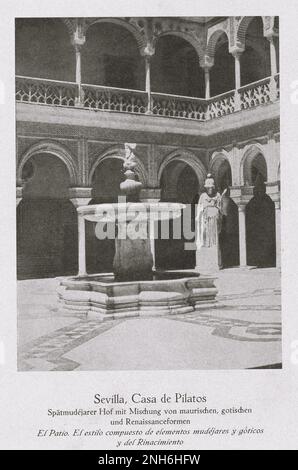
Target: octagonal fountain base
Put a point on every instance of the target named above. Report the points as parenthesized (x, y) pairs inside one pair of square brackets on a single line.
[(169, 292)]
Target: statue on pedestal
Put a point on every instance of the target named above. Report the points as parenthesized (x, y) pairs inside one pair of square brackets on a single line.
[(208, 226)]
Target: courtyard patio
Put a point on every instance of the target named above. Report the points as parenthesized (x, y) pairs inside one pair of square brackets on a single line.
[(242, 331)]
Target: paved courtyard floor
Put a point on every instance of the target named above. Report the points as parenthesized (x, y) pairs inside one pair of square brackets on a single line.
[(242, 331)]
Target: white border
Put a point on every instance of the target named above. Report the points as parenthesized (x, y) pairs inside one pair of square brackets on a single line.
[(26, 396)]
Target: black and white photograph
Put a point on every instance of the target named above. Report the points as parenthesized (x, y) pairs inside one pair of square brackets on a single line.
[(148, 193), (148, 236)]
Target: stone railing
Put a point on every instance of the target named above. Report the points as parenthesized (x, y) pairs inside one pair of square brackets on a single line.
[(221, 105), (42, 91), (178, 106), (114, 99), (70, 94), (260, 92)]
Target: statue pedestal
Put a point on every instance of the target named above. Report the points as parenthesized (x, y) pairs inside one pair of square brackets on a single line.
[(207, 260)]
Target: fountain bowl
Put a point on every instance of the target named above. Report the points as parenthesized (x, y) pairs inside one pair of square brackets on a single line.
[(169, 292)]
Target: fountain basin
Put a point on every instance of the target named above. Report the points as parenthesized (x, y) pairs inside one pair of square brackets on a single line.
[(126, 211), (169, 292)]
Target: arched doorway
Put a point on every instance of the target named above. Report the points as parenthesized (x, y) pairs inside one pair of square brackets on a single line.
[(229, 235), (46, 220), (255, 60), (179, 183), (106, 181), (260, 229), (260, 214), (254, 167), (175, 68), (44, 49), (110, 57), (222, 74)]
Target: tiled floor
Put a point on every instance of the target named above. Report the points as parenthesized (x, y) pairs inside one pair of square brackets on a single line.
[(242, 331)]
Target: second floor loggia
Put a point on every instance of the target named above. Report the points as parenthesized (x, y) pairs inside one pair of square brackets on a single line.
[(102, 69)]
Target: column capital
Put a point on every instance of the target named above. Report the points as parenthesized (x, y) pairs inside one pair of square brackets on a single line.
[(207, 62), (236, 194), (150, 194), (80, 196), (241, 206), (78, 39), (270, 34), (148, 50), (236, 51), (273, 190)]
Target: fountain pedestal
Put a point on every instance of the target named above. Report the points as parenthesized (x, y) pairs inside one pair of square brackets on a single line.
[(133, 260)]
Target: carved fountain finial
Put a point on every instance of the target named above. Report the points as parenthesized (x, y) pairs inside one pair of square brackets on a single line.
[(130, 187)]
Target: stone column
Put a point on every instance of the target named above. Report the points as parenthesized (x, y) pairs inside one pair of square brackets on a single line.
[(273, 65), (152, 242), (237, 54), (81, 246), (273, 191), (147, 52), (206, 63), (207, 82), (78, 64), (78, 40), (242, 235), (148, 82), (277, 234), (81, 197), (151, 195), (273, 62)]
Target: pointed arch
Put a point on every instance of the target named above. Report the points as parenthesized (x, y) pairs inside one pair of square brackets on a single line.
[(54, 148), (220, 159), (217, 158), (243, 27), (188, 158), (138, 35), (212, 41), (250, 151), (183, 35)]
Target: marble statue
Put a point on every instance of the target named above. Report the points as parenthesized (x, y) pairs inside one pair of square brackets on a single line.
[(208, 226)]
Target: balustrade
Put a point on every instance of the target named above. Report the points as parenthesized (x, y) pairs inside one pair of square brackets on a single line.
[(255, 94), (114, 99), (70, 94), (43, 91), (221, 105), (178, 106)]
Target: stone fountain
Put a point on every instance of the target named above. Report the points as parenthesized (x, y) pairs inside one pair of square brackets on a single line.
[(134, 288)]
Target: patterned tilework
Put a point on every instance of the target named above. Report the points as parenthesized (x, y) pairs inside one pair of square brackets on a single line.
[(45, 353), (48, 351), (236, 329)]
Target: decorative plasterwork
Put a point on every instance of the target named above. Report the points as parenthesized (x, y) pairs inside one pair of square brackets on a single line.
[(215, 35), (204, 39)]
